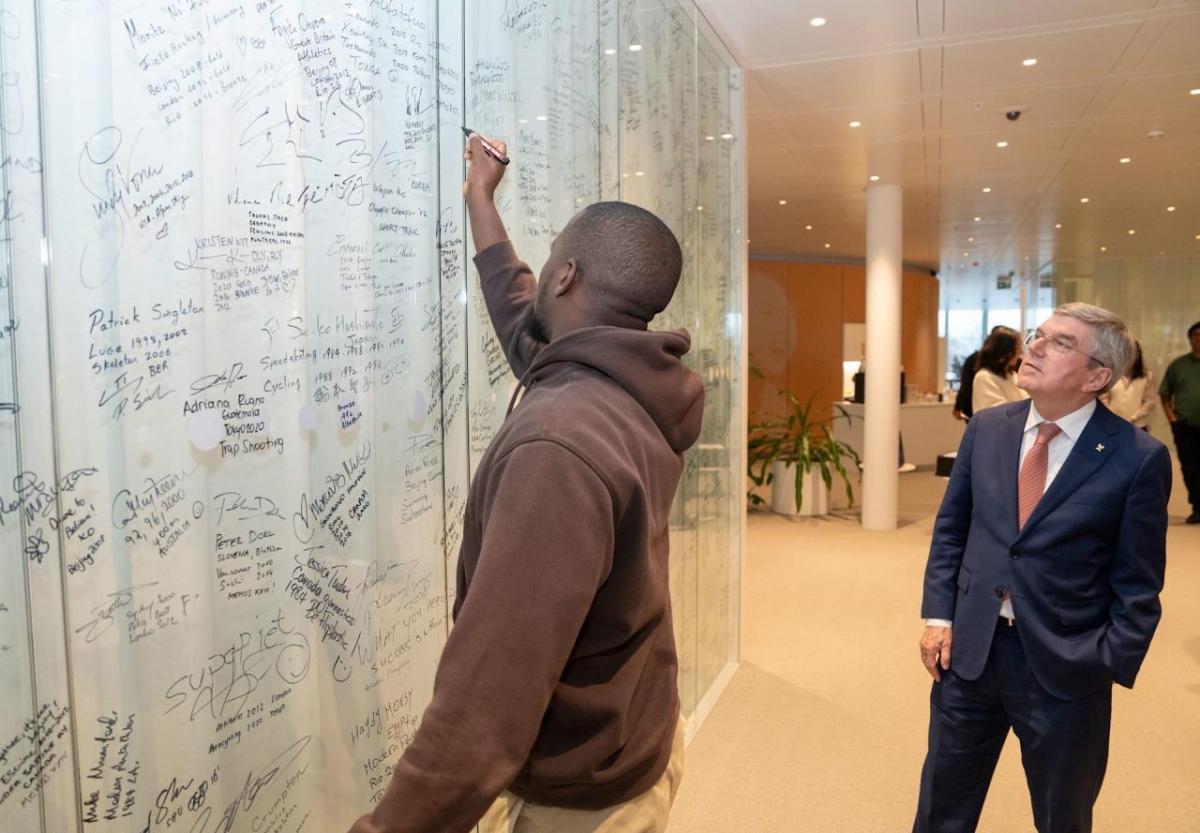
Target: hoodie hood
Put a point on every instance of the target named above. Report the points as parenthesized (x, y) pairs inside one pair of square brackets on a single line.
[(646, 363)]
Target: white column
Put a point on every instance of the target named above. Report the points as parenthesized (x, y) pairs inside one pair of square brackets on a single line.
[(881, 433)]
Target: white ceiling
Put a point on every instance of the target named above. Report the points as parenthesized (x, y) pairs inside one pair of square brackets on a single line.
[(931, 80)]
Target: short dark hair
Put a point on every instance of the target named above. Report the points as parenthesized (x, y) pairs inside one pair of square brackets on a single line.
[(1193, 328), (997, 352), (628, 257)]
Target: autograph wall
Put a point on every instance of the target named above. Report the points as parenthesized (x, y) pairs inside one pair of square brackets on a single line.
[(245, 372)]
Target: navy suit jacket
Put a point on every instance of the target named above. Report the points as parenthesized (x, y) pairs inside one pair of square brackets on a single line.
[(1084, 573)]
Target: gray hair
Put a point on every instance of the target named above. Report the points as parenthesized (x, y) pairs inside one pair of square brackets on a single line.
[(1112, 346)]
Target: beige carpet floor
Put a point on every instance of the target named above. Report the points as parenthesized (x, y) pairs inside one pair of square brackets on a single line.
[(823, 726)]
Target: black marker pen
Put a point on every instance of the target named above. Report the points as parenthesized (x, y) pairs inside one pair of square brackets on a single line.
[(491, 151)]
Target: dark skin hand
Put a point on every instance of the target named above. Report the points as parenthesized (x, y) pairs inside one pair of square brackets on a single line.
[(479, 189)]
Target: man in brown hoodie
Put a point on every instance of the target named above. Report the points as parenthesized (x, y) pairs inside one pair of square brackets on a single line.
[(555, 702)]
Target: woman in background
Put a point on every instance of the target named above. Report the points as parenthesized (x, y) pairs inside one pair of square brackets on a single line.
[(996, 380), (1132, 397)]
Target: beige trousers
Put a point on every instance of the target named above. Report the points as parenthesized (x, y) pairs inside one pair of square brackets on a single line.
[(645, 814)]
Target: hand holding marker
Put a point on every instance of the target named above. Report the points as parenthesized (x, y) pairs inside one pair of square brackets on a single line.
[(487, 147)]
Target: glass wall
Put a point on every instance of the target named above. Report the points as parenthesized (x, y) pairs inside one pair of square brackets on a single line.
[(973, 303), (1157, 297), (245, 373)]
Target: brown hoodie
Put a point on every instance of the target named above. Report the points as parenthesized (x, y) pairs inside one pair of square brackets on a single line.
[(559, 678)]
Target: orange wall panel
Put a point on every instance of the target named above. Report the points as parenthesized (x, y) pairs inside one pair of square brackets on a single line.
[(797, 311), (815, 298)]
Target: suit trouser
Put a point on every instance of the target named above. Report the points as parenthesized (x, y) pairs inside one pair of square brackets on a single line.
[(647, 813), (1064, 745), (1187, 447)]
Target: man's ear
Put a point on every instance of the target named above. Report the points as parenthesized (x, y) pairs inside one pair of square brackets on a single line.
[(1099, 379), (567, 277)]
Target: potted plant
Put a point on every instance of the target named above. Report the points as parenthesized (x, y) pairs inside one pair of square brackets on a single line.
[(787, 454)]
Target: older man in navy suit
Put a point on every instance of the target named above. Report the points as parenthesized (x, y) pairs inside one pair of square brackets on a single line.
[(1043, 581)]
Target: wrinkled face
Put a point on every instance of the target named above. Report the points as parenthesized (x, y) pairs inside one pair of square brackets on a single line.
[(1057, 364)]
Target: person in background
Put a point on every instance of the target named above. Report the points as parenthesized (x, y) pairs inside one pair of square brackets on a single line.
[(1132, 397), (1180, 392), (996, 378), (966, 386), (556, 701)]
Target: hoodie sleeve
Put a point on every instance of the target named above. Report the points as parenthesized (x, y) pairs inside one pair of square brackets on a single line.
[(547, 546), (509, 288)]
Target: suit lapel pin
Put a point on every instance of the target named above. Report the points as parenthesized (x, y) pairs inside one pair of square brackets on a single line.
[(1100, 447)]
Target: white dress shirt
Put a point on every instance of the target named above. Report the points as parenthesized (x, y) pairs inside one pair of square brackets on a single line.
[(1071, 426)]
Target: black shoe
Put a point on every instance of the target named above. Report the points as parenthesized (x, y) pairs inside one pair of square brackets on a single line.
[(1193, 518)]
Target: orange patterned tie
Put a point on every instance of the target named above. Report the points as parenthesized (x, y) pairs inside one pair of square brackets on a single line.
[(1032, 482)]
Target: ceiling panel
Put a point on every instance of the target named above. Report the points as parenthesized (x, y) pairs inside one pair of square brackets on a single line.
[(779, 30), (756, 97), (1157, 97), (1039, 107), (880, 121), (1107, 72), (763, 132), (1178, 47), (1061, 57), (1027, 152), (971, 16), (847, 82)]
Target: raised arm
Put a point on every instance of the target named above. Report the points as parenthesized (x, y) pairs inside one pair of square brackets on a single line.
[(509, 286)]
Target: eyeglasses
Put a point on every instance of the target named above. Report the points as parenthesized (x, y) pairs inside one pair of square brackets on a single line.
[(1060, 344)]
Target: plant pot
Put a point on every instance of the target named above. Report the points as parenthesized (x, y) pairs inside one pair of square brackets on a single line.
[(814, 501)]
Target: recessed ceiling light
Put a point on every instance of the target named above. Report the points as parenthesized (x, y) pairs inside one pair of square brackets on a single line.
[(808, 228), (1104, 248), (1002, 144), (639, 173), (1058, 225), (699, 208), (1198, 236), (1170, 208), (987, 190), (1084, 199), (1133, 231), (523, 121), (709, 138), (856, 123), (783, 202), (977, 219), (966, 254), (726, 135), (874, 178), (1194, 92), (610, 51), (635, 47), (541, 118), (817, 21), (1125, 160), (1030, 62), (970, 239), (828, 245)]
